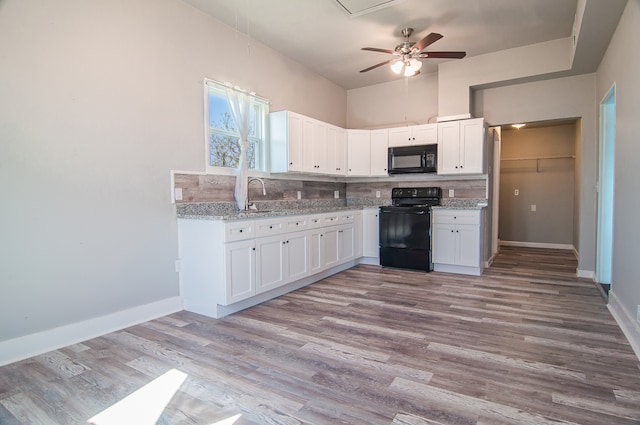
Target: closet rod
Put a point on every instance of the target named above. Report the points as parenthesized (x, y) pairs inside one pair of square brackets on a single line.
[(535, 158)]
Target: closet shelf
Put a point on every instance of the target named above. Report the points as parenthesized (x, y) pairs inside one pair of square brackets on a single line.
[(538, 159)]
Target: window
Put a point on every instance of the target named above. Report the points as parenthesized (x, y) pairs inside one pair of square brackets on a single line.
[(223, 149)]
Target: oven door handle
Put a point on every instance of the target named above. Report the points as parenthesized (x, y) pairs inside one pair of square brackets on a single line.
[(404, 212)]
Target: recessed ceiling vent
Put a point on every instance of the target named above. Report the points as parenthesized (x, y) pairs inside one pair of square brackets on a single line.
[(362, 7)]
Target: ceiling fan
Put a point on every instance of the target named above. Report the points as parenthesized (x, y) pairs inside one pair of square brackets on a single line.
[(408, 52)]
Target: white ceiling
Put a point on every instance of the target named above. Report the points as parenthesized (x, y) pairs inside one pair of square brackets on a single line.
[(324, 37)]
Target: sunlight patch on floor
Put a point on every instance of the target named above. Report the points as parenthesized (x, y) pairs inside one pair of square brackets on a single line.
[(144, 406)]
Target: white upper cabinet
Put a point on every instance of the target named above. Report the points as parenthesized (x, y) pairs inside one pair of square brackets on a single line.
[(286, 141), (314, 134), (461, 147), (423, 134), (336, 150), (359, 152), (379, 152)]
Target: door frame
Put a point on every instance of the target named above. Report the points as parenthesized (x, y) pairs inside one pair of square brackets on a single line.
[(605, 185)]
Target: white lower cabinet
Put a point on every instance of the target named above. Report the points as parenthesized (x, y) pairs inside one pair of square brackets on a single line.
[(240, 267), (371, 233), (280, 260), (457, 241), (227, 262)]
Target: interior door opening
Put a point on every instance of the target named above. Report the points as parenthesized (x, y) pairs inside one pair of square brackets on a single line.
[(606, 165)]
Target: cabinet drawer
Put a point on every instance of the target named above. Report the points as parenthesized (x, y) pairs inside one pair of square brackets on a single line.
[(296, 223), (314, 221), (330, 219), (346, 217), (270, 227), (239, 230), (456, 217)]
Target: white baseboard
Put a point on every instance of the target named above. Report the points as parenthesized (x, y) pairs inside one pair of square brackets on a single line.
[(630, 327), (588, 274), (538, 245), (31, 345)]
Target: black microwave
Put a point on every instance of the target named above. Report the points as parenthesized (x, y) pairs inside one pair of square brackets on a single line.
[(413, 159)]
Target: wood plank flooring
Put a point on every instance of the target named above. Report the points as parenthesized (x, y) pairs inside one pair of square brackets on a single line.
[(526, 343)]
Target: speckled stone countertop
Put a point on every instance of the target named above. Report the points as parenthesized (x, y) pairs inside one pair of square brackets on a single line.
[(227, 211), (463, 204)]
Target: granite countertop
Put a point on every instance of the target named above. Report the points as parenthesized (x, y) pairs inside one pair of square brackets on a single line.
[(226, 211), (463, 204)]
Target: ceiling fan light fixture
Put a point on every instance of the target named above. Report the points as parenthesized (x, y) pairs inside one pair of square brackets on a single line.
[(416, 64), (397, 66), (408, 70)]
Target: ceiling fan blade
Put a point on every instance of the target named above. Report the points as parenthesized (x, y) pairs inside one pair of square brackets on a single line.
[(375, 49), (377, 65), (428, 40), (442, 55)]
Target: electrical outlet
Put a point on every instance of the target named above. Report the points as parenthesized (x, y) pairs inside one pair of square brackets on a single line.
[(177, 194), (377, 193), (336, 194), (533, 207), (452, 193), (638, 314), (516, 192), (299, 195), (178, 266)]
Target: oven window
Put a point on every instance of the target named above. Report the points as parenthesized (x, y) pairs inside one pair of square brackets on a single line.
[(406, 161)]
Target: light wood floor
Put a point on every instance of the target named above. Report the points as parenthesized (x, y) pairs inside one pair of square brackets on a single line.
[(526, 343)]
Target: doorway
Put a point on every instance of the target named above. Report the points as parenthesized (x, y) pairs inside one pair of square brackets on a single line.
[(606, 164)]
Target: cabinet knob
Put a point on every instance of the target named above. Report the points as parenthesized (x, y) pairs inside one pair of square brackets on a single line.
[(253, 249), (270, 227), (240, 230), (291, 163)]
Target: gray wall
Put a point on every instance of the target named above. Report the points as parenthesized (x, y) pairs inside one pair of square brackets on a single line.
[(99, 101), (621, 65), (545, 183)]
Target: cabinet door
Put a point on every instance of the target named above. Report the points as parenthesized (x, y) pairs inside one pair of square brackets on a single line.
[(371, 233), (472, 146), (444, 244), (468, 251), (357, 234), (340, 155), (308, 134), (240, 264), (448, 147), (295, 142), (424, 134), (379, 152), (315, 250), (346, 243), (399, 136), (297, 256), (270, 263), (285, 141), (358, 158), (319, 147), (330, 247)]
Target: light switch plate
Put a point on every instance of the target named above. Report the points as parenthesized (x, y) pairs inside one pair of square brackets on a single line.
[(377, 193), (299, 195), (534, 207), (177, 194), (336, 194)]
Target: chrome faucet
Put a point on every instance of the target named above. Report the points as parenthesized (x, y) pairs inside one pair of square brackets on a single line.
[(264, 191)]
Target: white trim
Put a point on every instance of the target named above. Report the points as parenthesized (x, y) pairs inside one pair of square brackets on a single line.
[(537, 245), (31, 345), (630, 328), (454, 117), (587, 274)]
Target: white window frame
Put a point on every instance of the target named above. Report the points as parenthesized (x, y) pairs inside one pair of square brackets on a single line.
[(261, 121)]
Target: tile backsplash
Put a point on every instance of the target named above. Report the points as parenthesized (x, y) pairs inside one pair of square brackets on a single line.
[(212, 188)]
